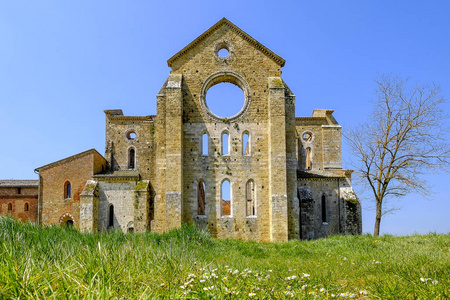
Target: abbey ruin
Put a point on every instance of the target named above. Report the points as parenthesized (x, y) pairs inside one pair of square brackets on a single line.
[(283, 173)]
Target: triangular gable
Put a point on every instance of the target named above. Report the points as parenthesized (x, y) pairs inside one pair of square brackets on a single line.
[(224, 22), (68, 159)]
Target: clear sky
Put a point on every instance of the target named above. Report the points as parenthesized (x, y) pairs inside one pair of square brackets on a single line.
[(63, 62)]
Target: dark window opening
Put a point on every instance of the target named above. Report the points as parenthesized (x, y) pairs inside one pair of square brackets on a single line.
[(324, 209), (26, 207), (131, 159), (19, 191), (201, 198), (111, 216), (67, 190), (9, 207)]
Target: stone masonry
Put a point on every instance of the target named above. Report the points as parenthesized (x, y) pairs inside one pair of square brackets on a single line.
[(284, 173)]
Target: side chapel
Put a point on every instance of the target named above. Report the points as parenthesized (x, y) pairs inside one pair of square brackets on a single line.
[(262, 174)]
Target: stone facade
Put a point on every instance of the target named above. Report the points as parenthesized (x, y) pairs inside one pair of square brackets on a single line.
[(19, 199), (284, 173)]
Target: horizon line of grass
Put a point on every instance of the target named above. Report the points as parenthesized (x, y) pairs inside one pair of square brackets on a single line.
[(55, 262)]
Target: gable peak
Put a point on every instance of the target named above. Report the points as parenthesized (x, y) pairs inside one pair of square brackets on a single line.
[(225, 22)]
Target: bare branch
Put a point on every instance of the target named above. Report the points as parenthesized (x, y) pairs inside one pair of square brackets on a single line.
[(404, 139)]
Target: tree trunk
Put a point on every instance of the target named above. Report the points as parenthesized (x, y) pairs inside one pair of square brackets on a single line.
[(376, 231)]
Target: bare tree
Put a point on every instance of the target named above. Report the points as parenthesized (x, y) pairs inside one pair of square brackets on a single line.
[(404, 138)]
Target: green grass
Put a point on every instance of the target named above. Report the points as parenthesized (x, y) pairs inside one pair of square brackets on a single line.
[(57, 263)]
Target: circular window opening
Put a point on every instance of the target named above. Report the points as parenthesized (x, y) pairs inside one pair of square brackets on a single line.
[(131, 135), (307, 137), (225, 99), (223, 52)]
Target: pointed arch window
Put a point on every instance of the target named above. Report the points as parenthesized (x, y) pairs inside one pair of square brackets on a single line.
[(201, 201), (245, 143), (111, 216), (205, 144), (226, 197), (10, 207), (67, 190), (324, 209), (131, 158), (26, 207), (250, 198), (225, 144)]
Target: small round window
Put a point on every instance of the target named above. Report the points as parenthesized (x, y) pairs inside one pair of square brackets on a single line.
[(223, 52), (131, 135), (307, 136)]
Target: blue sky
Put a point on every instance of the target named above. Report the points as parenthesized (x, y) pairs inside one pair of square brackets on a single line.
[(63, 62)]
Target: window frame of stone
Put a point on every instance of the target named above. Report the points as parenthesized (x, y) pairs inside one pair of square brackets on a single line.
[(110, 216), (202, 144), (222, 200), (323, 207), (67, 189), (128, 134), (201, 183), (252, 214), (227, 133), (308, 158), (246, 149), (129, 156)]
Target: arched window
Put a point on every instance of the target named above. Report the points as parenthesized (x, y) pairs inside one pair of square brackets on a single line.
[(205, 144), (111, 216), (67, 190), (225, 144), (324, 209), (26, 207), (250, 198), (226, 198), (9, 207), (201, 202), (131, 158), (308, 158), (245, 144)]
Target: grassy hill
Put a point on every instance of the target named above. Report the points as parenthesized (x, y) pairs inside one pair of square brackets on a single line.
[(53, 262)]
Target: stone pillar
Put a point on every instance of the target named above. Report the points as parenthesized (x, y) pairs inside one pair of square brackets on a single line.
[(159, 222), (141, 208), (278, 214), (174, 152), (89, 207)]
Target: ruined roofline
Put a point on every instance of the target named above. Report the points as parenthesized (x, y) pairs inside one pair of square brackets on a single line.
[(68, 159), (117, 115), (225, 22), (133, 118), (19, 183)]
